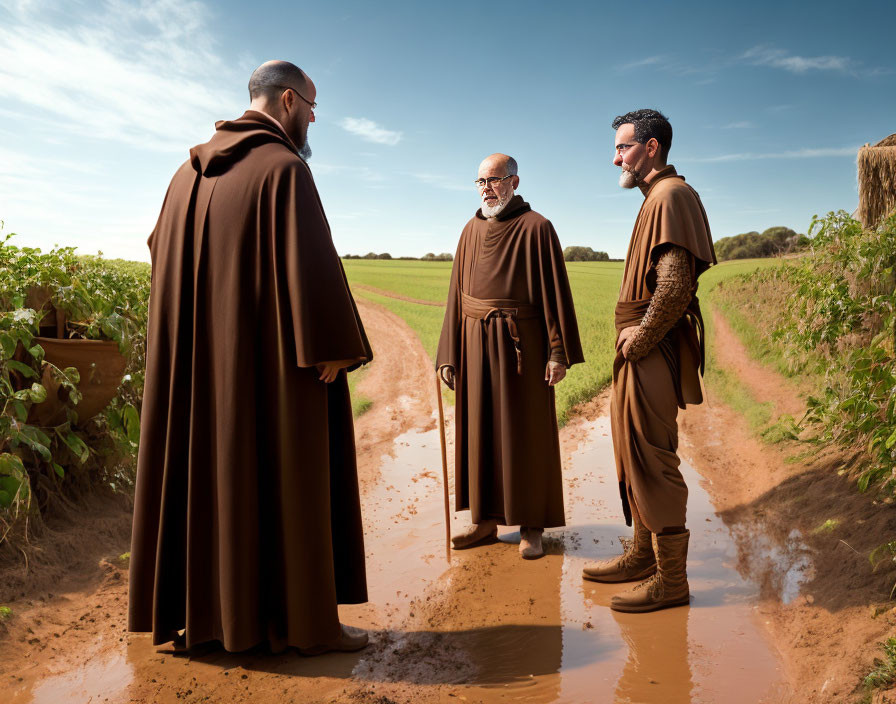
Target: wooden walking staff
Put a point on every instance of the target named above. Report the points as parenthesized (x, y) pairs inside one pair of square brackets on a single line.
[(444, 469)]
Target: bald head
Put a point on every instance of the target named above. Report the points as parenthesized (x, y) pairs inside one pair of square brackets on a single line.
[(284, 91), (499, 162), (272, 77), (497, 182)]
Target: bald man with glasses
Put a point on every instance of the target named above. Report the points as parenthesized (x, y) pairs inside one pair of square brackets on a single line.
[(247, 518), (508, 337)]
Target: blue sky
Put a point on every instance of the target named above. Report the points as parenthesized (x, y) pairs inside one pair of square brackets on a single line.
[(101, 99)]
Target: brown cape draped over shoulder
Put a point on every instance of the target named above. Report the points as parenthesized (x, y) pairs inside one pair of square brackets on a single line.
[(509, 311), (247, 522), (648, 393)]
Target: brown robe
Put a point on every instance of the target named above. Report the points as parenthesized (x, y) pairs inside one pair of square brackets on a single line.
[(247, 523), (508, 281), (648, 393)]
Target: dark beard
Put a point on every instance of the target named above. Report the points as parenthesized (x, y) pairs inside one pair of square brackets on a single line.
[(305, 151)]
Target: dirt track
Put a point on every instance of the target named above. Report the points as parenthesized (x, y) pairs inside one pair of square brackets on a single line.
[(779, 614)]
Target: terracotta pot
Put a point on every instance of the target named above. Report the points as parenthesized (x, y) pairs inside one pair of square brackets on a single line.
[(101, 367)]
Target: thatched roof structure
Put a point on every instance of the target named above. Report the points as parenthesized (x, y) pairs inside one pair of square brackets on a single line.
[(877, 181)]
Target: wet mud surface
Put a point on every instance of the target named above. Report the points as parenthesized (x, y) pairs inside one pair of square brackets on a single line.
[(486, 627), (480, 626)]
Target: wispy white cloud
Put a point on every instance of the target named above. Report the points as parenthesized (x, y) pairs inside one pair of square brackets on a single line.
[(702, 71), (647, 61), (792, 154), (440, 181), (370, 131), (742, 125), (779, 58), (143, 73)]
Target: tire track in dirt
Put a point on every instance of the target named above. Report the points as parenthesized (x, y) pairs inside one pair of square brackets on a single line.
[(392, 294), (763, 383), (400, 384)]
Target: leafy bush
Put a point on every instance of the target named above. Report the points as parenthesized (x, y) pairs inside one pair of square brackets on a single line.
[(41, 467), (835, 321), (584, 254), (843, 311), (774, 242)]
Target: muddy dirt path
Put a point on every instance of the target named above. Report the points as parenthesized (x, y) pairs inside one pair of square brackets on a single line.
[(487, 626)]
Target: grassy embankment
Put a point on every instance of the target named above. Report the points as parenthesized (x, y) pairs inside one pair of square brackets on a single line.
[(595, 287), (828, 319)]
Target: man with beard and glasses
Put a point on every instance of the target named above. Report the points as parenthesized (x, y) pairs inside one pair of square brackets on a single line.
[(659, 362), (508, 337), (247, 521)]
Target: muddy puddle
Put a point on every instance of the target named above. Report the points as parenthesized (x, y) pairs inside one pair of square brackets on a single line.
[(487, 626), (535, 631)]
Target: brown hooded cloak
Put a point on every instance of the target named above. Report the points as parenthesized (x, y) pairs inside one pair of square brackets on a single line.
[(648, 393), (247, 523), (509, 311)]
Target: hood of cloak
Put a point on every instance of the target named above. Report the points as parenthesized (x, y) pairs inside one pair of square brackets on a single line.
[(233, 139)]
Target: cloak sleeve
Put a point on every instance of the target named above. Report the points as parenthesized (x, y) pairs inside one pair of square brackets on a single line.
[(313, 297), (556, 298), (677, 217), (446, 356)]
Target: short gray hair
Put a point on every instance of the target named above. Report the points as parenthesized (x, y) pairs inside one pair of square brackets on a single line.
[(512, 167), (271, 78)]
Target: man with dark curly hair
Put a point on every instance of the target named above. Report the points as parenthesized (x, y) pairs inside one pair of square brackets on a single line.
[(659, 360)]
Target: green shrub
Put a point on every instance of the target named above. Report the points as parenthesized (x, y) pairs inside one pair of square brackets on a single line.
[(773, 242), (100, 299)]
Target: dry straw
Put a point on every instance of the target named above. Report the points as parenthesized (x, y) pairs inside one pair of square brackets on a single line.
[(877, 181)]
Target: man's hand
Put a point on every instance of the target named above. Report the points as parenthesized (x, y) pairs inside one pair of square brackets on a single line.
[(447, 375), (624, 340), (554, 373), (330, 370)]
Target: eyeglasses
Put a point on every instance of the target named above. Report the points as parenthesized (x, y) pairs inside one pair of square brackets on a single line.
[(623, 148), (490, 181), (313, 105)]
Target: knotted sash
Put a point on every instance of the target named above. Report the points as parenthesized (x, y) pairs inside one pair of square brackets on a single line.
[(630, 313), (485, 309)]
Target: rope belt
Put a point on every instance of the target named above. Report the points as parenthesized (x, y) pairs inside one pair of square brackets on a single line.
[(630, 313), (485, 309)]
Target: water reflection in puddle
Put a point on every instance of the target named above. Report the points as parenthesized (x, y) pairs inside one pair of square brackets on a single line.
[(545, 634), (513, 630), (94, 680)]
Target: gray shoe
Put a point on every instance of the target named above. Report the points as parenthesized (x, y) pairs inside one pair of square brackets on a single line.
[(530, 543), (476, 533)]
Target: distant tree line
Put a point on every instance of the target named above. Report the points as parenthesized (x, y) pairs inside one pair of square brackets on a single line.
[(774, 242), (584, 254), (428, 257)]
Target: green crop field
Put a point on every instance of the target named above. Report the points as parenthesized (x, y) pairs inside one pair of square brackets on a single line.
[(595, 287)]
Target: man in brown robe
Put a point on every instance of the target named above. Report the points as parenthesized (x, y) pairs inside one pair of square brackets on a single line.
[(247, 523), (658, 366), (508, 337)]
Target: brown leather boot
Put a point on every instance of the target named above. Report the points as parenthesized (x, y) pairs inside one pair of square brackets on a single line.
[(668, 587), (635, 563)]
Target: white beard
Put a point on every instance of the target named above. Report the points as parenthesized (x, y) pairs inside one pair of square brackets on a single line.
[(491, 211)]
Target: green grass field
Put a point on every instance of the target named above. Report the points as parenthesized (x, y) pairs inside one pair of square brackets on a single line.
[(595, 287)]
